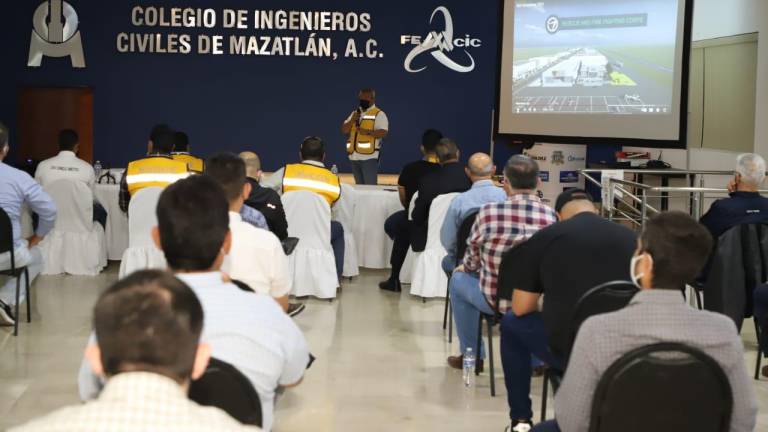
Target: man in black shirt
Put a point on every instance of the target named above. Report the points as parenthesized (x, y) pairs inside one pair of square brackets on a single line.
[(562, 262), (265, 200), (397, 225), (451, 177)]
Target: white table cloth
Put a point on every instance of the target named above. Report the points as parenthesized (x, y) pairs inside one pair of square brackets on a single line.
[(116, 230), (373, 205)]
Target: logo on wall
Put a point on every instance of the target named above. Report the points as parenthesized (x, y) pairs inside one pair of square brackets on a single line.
[(544, 176), (553, 24), (55, 34), (558, 158), (440, 45), (569, 176)]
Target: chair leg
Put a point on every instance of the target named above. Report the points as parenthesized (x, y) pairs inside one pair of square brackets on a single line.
[(479, 341), (698, 299), (490, 357), (450, 323), (759, 349), (544, 395), (16, 320), (29, 296), (445, 312), (423, 300)]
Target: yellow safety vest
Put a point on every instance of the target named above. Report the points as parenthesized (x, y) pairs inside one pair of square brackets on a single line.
[(312, 178), (193, 163), (154, 171), (360, 142)]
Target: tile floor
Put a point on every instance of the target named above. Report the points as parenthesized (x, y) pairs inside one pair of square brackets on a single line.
[(381, 363)]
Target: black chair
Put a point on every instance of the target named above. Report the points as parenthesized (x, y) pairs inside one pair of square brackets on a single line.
[(604, 298), (665, 386), (6, 245), (461, 248), (223, 386)]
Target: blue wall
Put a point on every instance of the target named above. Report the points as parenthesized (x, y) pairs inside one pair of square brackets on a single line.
[(267, 104)]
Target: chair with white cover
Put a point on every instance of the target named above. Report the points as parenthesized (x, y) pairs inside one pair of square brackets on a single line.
[(142, 253), (76, 245), (312, 263), (343, 212), (406, 271), (429, 279)]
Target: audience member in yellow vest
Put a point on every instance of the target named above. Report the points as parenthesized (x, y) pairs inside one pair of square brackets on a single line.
[(312, 175), (181, 153), (157, 169), (365, 127)]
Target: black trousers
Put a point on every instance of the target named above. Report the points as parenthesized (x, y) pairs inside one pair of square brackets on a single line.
[(398, 229)]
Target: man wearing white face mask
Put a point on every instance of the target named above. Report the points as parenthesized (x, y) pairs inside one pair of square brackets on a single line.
[(671, 252)]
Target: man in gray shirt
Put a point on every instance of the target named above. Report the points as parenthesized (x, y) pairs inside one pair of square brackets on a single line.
[(671, 252)]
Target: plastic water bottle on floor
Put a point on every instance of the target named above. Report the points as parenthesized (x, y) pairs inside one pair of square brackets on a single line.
[(97, 170), (335, 169), (468, 375)]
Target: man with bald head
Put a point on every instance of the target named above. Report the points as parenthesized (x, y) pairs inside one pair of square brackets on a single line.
[(480, 169), (265, 200), (561, 262)]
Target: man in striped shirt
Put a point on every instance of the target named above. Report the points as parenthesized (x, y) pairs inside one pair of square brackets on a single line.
[(498, 227)]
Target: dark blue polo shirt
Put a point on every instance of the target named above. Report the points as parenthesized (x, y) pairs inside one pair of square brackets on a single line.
[(741, 208)]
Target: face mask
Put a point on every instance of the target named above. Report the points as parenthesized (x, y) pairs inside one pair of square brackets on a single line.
[(632, 264), (365, 104)]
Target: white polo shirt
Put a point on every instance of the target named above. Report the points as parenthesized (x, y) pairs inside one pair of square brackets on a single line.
[(381, 123), (257, 259), (65, 166)]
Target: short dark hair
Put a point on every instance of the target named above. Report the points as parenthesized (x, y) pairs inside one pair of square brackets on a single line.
[(229, 172), (446, 149), (164, 142), (570, 195), (149, 321), (157, 130), (429, 140), (679, 246), (522, 172), (68, 139), (312, 148), (181, 142), (369, 90), (193, 219), (4, 134)]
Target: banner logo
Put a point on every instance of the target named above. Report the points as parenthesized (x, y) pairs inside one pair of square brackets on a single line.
[(440, 44), (558, 158), (55, 34)]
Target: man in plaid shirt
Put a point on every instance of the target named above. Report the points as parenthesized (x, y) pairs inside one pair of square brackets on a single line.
[(498, 227)]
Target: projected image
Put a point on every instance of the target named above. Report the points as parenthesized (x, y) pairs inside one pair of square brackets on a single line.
[(594, 56)]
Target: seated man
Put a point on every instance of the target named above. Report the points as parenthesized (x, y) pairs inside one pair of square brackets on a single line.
[(67, 166), (480, 169), (672, 250), (448, 179), (498, 227), (181, 153), (157, 169), (148, 362), (745, 205), (16, 189), (257, 258), (562, 262), (312, 175), (265, 200), (247, 330)]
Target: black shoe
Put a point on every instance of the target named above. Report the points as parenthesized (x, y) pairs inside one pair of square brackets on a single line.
[(391, 285), (6, 314), (295, 309)]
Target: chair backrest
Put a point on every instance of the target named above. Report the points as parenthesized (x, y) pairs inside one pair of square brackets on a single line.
[(437, 212), (74, 205), (463, 235), (142, 217), (663, 387), (309, 219), (223, 386), (6, 232), (604, 298)]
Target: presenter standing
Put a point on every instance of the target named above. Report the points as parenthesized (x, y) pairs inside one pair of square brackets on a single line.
[(366, 126)]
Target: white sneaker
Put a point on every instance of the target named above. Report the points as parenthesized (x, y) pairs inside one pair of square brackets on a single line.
[(519, 427)]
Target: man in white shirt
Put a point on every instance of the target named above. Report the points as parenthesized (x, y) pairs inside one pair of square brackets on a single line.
[(365, 127), (67, 166), (148, 362), (257, 257), (245, 329)]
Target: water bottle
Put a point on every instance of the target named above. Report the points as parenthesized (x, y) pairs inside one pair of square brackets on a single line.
[(97, 169), (335, 169), (468, 375)]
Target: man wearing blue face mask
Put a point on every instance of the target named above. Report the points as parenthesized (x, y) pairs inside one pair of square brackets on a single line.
[(671, 252), (366, 127)]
